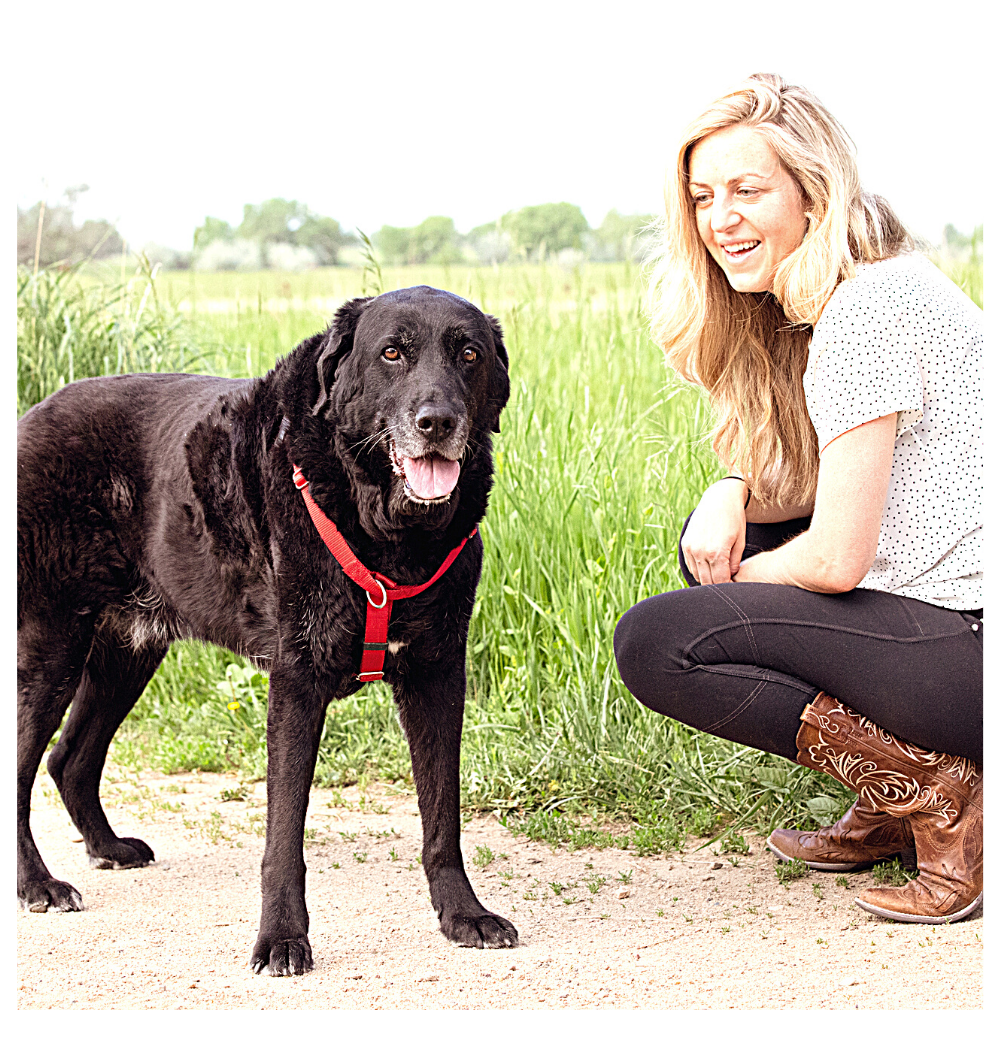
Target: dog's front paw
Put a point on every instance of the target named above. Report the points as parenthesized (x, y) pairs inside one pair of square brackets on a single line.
[(481, 929), (282, 957), (41, 896), (127, 853)]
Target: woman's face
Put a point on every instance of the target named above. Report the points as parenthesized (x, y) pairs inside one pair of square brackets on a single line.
[(749, 209)]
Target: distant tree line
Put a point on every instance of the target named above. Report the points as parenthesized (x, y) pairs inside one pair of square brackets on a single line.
[(275, 234), (535, 233), (287, 235), (58, 239), (957, 244)]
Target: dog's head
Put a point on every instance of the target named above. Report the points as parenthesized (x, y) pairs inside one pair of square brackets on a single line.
[(410, 384)]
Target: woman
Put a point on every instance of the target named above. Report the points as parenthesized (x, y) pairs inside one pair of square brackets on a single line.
[(837, 615)]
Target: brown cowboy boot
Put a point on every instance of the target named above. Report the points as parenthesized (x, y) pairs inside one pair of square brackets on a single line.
[(940, 795), (861, 838)]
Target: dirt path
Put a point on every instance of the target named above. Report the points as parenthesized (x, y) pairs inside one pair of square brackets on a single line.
[(688, 931)]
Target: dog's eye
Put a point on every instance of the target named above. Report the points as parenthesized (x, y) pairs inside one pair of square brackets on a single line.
[(470, 355), (390, 353)]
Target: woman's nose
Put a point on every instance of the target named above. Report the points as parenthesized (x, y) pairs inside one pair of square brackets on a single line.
[(724, 214)]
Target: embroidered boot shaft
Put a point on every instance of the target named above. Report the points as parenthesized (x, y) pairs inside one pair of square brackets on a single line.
[(940, 795)]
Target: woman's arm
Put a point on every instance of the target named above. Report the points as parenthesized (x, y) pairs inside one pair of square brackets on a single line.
[(766, 515), (715, 536), (838, 548)]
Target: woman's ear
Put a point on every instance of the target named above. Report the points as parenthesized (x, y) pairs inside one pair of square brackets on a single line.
[(338, 344), (500, 382)]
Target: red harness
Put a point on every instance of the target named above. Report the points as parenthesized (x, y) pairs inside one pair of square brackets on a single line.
[(377, 616)]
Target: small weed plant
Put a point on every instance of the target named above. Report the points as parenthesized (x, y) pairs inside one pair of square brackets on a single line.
[(483, 856), (892, 873), (733, 842), (790, 871)]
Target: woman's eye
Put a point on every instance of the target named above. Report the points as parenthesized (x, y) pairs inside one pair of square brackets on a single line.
[(390, 353), (470, 355)]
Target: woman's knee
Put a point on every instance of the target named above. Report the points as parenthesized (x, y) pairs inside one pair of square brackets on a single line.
[(639, 650), (651, 649)]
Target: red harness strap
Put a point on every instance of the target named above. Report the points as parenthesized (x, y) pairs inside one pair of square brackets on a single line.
[(386, 591)]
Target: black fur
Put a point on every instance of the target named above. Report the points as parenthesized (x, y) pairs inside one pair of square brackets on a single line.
[(159, 507)]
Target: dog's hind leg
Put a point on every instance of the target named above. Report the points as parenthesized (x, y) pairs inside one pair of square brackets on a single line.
[(113, 679), (49, 666)]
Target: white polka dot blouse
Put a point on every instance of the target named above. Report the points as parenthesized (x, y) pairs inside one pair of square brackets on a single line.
[(901, 337)]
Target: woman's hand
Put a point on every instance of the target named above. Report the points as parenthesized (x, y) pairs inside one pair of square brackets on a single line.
[(713, 541)]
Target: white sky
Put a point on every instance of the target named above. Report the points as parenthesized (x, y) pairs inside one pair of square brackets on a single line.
[(384, 112)]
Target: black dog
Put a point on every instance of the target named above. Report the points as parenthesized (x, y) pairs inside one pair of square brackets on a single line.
[(159, 507)]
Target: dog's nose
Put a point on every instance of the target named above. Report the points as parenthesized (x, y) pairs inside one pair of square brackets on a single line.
[(436, 422)]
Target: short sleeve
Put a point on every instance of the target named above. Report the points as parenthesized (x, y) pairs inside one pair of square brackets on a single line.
[(863, 363)]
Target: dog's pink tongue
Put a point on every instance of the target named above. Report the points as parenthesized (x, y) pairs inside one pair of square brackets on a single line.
[(431, 477)]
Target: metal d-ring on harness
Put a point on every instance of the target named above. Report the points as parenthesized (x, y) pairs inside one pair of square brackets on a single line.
[(377, 613), (372, 602)]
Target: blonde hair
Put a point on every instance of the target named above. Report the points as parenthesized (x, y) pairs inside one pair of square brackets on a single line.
[(749, 350)]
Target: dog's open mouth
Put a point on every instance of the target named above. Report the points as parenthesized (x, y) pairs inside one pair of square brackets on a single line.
[(428, 479)]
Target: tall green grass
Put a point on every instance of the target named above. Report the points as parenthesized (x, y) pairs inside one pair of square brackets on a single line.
[(70, 327), (601, 456)]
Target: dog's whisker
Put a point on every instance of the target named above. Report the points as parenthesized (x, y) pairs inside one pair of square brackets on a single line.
[(368, 438), (368, 443)]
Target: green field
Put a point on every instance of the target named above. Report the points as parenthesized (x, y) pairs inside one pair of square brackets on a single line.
[(602, 455)]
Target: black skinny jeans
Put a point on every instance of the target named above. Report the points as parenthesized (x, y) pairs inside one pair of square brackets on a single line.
[(742, 660)]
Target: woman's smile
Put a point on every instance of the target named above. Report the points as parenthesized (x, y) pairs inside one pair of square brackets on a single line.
[(749, 210), (739, 251)]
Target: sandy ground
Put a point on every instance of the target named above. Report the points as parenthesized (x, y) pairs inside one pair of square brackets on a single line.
[(599, 929)]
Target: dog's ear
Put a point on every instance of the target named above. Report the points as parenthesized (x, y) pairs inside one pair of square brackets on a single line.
[(500, 382), (339, 342)]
